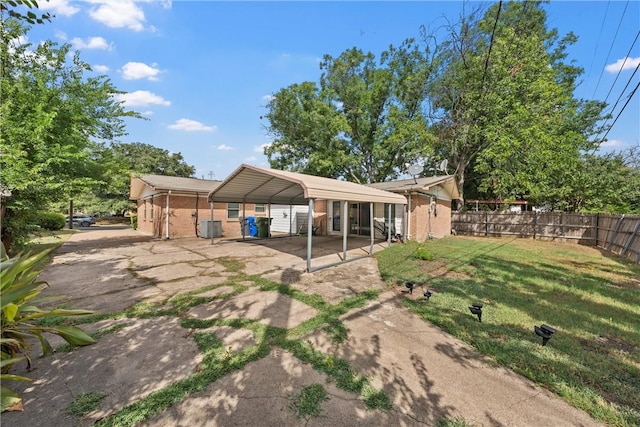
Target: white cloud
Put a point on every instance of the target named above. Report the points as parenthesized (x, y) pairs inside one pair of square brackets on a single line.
[(91, 43), (250, 159), (58, 7), (629, 64), (260, 148), (224, 147), (268, 97), (61, 35), (139, 70), (612, 143), (147, 113), (191, 126), (100, 68), (142, 98), (118, 14)]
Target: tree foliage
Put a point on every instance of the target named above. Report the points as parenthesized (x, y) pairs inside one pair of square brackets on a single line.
[(495, 97), (51, 117), (362, 122)]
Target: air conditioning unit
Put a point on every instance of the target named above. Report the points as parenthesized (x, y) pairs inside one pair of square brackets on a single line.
[(209, 228)]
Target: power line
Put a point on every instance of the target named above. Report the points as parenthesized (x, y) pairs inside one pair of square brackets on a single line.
[(622, 67), (495, 24), (610, 48), (598, 40), (623, 108)]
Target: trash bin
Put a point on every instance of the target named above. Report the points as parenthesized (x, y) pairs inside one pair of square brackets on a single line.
[(263, 226), (253, 229)]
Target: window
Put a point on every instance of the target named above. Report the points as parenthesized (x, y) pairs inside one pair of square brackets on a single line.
[(336, 216), (393, 214), (260, 208), (233, 210), (152, 208)]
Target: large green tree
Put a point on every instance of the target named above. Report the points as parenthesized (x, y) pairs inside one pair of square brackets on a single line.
[(117, 163), (51, 117), (509, 118), (363, 121)]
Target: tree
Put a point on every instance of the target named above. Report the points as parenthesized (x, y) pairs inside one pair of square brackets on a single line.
[(506, 94), (362, 123), (117, 163), (51, 117)]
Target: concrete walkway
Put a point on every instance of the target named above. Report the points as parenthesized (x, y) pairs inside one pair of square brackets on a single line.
[(426, 373)]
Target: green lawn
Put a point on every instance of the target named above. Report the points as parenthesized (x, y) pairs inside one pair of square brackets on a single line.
[(591, 298), (52, 240)]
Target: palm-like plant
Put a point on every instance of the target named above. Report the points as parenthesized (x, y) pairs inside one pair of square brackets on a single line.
[(19, 320)]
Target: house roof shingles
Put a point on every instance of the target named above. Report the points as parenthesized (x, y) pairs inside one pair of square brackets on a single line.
[(162, 183)]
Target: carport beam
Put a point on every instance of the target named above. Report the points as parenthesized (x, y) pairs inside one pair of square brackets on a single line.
[(309, 235)]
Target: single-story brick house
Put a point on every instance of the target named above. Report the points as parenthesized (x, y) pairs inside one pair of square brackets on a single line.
[(428, 209), (174, 207)]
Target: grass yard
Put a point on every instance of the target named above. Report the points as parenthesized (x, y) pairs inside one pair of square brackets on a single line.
[(591, 298), (50, 240)]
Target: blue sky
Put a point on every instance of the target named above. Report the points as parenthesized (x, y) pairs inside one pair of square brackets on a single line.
[(202, 71)]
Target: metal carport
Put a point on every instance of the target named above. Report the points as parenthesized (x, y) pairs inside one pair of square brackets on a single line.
[(252, 184)]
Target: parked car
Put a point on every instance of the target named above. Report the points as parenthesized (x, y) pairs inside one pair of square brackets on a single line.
[(82, 220)]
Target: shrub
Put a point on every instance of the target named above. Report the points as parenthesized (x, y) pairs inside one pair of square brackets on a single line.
[(134, 222), (51, 220), (18, 288), (424, 253)]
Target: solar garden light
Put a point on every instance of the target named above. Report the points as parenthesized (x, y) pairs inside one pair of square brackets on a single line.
[(427, 294), (544, 331), (410, 286), (476, 308)]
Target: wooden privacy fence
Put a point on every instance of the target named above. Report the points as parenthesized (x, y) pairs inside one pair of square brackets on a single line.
[(619, 234)]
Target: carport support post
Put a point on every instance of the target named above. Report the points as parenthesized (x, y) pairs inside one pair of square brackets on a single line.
[(372, 228), (345, 222), (389, 227), (291, 220), (167, 219), (309, 235), (244, 219), (211, 204)]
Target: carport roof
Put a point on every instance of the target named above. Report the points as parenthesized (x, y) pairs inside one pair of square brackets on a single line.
[(251, 184)]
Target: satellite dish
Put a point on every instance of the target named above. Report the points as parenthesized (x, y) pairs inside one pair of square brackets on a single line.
[(443, 165), (415, 169)]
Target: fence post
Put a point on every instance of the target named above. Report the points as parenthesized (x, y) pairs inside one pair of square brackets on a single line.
[(597, 229), (486, 224), (535, 224)]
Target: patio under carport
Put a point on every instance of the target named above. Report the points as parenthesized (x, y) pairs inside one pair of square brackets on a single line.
[(252, 184)]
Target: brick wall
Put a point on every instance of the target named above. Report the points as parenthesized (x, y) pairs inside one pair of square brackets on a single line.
[(424, 221), (182, 219)]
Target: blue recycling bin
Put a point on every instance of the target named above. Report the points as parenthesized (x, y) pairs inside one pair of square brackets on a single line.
[(253, 227)]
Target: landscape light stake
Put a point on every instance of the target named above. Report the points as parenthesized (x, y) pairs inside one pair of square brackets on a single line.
[(544, 331), (476, 308), (409, 286)]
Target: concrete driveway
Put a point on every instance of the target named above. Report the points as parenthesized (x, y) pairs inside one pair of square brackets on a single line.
[(164, 302)]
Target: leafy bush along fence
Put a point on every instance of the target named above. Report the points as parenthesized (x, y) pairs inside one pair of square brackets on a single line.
[(619, 234)]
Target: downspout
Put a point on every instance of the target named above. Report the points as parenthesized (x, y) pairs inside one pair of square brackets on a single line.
[(196, 216), (167, 214), (409, 217)]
